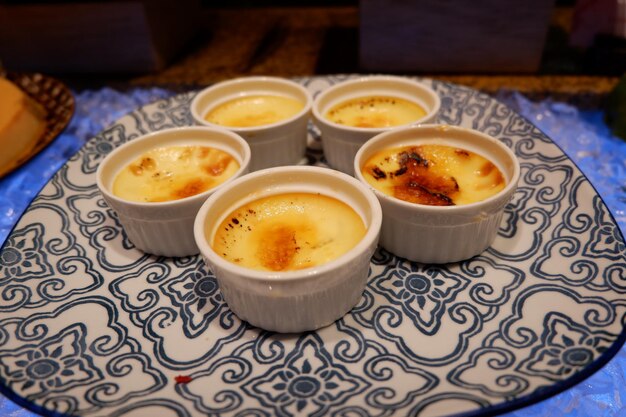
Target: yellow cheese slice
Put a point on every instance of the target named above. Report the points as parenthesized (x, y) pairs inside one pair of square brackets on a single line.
[(22, 122)]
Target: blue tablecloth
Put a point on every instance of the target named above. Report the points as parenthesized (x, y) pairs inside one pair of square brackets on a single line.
[(583, 135)]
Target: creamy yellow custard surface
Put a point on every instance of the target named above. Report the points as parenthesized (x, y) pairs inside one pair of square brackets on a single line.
[(431, 174), (174, 172), (287, 232), (254, 110), (375, 112)]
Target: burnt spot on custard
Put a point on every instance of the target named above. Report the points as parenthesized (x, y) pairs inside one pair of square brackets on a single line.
[(412, 158), (378, 173), (421, 186), (216, 168), (487, 169), (401, 171), (433, 174), (415, 182), (279, 248), (191, 187), (417, 193), (204, 151), (287, 232), (145, 164)]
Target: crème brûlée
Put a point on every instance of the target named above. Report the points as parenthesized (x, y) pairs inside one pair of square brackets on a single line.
[(375, 112), (287, 232), (254, 110), (173, 172), (433, 174), (22, 124)]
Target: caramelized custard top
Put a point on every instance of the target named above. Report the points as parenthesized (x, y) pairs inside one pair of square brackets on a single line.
[(375, 112), (287, 232), (436, 175), (256, 110), (173, 172)]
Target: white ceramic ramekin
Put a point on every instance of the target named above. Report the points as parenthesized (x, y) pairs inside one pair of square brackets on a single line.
[(341, 142), (166, 228), (291, 301), (276, 144), (436, 234)]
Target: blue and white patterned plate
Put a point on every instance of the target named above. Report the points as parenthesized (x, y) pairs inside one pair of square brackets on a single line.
[(91, 326)]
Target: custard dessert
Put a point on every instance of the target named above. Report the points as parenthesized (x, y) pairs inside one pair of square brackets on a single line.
[(375, 112), (431, 174), (173, 172), (254, 110), (287, 232)]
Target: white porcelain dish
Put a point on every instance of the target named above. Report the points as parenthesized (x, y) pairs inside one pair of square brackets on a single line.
[(341, 142), (166, 228), (441, 234), (275, 144), (530, 317), (291, 301)]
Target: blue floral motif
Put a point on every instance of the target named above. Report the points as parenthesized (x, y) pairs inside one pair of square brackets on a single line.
[(308, 383), (454, 102), (100, 146), (173, 112), (423, 292), (511, 217), (197, 294), (581, 272), (55, 365), (564, 348), (491, 359), (606, 239), (23, 256)]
